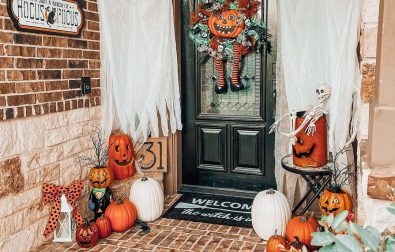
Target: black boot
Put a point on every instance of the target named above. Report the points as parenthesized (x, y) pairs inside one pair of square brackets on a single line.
[(221, 90), (236, 86)]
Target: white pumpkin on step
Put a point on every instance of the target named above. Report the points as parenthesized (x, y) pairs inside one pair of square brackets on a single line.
[(270, 212), (147, 195)]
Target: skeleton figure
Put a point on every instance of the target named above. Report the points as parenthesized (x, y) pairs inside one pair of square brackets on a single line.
[(313, 113)]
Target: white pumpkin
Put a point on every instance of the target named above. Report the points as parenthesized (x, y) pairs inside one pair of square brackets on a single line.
[(147, 195), (270, 212)]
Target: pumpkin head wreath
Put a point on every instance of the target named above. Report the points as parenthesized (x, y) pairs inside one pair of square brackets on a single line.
[(228, 29)]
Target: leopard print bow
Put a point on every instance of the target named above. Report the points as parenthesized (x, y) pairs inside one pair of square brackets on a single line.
[(52, 193)]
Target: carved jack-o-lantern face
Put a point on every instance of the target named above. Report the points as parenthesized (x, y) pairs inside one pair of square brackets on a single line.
[(100, 177), (121, 156), (335, 202), (311, 150), (227, 24), (87, 235)]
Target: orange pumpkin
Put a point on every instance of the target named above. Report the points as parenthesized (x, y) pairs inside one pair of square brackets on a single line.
[(104, 226), (227, 24), (100, 177), (121, 156), (311, 150), (276, 243), (301, 227), (335, 201), (122, 215)]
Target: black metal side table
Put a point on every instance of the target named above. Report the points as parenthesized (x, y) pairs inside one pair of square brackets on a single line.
[(317, 179)]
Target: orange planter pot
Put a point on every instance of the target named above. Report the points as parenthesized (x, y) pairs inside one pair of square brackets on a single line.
[(311, 150)]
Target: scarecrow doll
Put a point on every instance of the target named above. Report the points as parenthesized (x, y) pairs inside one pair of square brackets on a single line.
[(227, 30)]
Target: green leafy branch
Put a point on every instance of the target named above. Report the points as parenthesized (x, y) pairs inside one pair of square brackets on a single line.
[(341, 235)]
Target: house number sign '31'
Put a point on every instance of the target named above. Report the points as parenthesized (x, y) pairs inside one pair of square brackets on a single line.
[(62, 17)]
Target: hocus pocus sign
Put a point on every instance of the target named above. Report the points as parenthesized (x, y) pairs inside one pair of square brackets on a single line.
[(63, 17)]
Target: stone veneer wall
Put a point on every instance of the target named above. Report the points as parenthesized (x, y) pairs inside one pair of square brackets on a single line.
[(44, 121), (371, 210), (35, 150), (40, 74)]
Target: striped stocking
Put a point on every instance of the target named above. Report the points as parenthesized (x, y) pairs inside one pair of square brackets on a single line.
[(236, 63), (219, 64)]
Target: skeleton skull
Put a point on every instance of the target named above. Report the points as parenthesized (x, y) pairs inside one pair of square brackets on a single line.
[(221, 48), (323, 92)]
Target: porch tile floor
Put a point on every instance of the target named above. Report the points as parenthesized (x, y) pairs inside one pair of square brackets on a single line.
[(173, 235)]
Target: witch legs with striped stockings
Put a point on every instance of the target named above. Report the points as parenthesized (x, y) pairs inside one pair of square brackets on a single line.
[(221, 86), (235, 84)]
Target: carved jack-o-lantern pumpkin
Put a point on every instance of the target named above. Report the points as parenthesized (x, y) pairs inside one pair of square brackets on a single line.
[(121, 156), (311, 150), (227, 24), (335, 202), (100, 177), (87, 235)]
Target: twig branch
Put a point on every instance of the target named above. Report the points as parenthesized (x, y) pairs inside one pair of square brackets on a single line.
[(100, 156)]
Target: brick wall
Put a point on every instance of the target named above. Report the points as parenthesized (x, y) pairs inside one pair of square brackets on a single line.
[(40, 74)]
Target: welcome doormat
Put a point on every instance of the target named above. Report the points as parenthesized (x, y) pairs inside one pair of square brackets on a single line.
[(231, 211)]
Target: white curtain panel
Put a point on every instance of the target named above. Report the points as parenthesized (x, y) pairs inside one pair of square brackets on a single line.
[(319, 40), (318, 44), (139, 72)]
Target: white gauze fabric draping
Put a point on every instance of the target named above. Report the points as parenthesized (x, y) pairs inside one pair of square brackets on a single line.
[(139, 72), (318, 45)]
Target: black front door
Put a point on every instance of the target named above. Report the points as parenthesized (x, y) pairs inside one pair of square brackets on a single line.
[(225, 141)]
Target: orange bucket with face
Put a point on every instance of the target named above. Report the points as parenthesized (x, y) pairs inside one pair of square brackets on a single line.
[(311, 150)]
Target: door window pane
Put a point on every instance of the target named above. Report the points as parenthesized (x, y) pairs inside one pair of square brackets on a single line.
[(242, 103)]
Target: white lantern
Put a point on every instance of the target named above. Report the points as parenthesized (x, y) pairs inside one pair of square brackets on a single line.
[(65, 229)]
